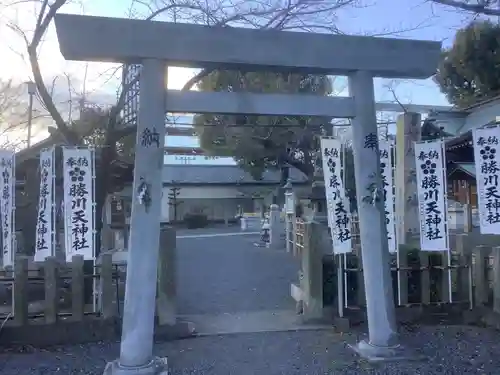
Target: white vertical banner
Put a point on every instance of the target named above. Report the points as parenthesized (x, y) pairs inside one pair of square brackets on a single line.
[(487, 161), (386, 149), (78, 170), (339, 213), (431, 188), (45, 225), (7, 206)]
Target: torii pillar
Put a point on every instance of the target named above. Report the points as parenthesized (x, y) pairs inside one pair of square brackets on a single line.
[(142, 263)]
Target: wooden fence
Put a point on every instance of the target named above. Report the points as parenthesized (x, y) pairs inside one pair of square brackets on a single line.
[(298, 228), (52, 297), (59, 301), (471, 279)]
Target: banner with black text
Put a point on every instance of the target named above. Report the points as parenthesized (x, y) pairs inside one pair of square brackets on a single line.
[(338, 207), (7, 206), (79, 229), (45, 225), (431, 188)]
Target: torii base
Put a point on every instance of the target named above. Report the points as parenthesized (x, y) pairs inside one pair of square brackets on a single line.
[(158, 366), (373, 353)]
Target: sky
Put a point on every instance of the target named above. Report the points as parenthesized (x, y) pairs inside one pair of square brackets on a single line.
[(416, 19)]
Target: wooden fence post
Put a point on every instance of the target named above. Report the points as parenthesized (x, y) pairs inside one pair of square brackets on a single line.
[(77, 288), (51, 290), (167, 274), (496, 279), (445, 287), (480, 284), (360, 293), (403, 275), (425, 280), (288, 232), (294, 237), (106, 281), (464, 260), (20, 307)]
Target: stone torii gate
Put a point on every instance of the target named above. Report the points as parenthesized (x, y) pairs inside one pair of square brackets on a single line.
[(156, 44)]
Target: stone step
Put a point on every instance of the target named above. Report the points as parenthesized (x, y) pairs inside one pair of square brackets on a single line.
[(250, 322)]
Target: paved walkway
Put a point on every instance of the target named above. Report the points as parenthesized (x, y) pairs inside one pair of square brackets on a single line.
[(227, 284)]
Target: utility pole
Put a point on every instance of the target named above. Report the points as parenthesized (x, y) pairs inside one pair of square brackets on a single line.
[(31, 93), (173, 198)]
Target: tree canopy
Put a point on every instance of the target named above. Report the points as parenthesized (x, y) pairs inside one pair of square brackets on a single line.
[(469, 71), (258, 143)]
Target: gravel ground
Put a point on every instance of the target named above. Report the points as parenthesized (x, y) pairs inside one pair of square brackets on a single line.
[(229, 274), (448, 350)]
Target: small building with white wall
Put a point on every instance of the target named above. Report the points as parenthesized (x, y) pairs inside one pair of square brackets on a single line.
[(219, 191)]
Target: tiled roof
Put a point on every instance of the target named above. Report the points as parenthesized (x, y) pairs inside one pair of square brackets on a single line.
[(469, 168), (221, 174)]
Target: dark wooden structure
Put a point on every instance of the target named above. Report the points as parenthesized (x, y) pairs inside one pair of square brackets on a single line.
[(460, 169)]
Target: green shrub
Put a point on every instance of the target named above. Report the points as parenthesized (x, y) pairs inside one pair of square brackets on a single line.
[(329, 281), (414, 278), (196, 220)]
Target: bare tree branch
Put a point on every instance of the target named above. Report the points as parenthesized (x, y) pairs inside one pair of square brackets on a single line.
[(13, 113), (479, 7), (45, 17), (390, 87)]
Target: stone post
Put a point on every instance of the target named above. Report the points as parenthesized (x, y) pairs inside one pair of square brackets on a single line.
[(276, 227), (136, 348), (312, 271), (407, 216), (243, 223), (408, 132), (167, 277), (383, 340), (467, 218), (496, 279)]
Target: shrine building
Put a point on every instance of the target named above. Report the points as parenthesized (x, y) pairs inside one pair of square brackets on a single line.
[(456, 127)]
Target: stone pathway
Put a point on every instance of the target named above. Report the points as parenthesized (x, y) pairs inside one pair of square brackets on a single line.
[(250, 322), (226, 284)]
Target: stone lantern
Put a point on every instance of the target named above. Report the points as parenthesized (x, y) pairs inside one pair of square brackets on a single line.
[(289, 197), (318, 197)]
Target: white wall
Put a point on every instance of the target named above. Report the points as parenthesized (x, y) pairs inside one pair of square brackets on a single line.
[(215, 192), (482, 116), (212, 194)]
